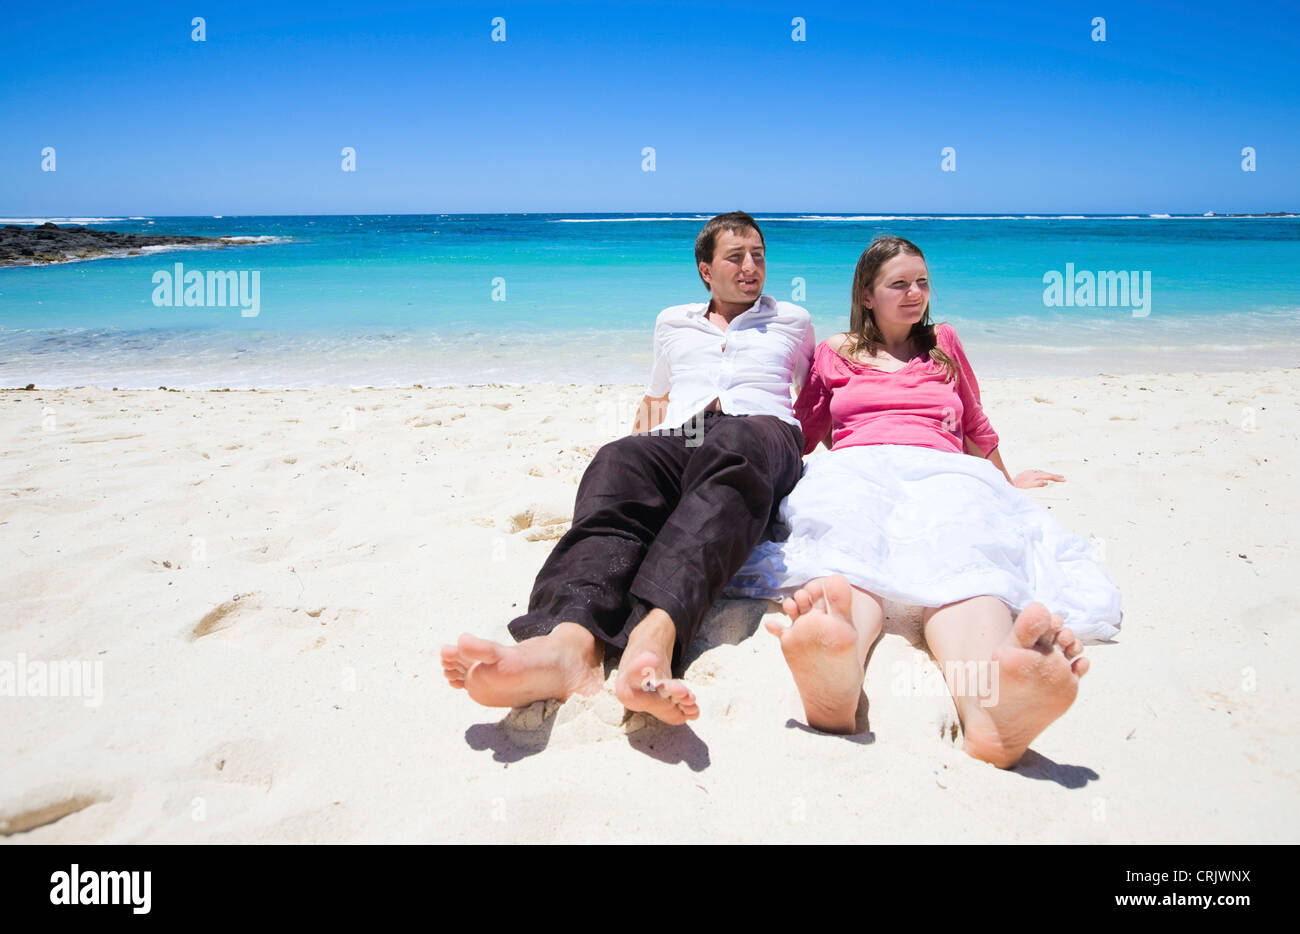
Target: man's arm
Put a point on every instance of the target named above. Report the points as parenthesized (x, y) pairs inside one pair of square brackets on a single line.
[(650, 413), (803, 359), (654, 406)]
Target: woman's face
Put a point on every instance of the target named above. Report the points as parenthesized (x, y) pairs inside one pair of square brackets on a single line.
[(901, 294)]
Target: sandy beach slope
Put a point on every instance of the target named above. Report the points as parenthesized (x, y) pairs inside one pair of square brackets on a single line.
[(262, 581)]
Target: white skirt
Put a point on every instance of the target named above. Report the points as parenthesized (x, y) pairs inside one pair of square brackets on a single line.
[(929, 528)]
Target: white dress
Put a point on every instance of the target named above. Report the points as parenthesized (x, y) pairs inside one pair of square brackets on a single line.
[(928, 528)]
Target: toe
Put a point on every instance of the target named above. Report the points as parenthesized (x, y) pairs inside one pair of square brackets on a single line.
[(1080, 665), (1032, 624), (634, 674), (803, 600), (681, 695), (454, 672), (678, 692), (1069, 643), (474, 649)]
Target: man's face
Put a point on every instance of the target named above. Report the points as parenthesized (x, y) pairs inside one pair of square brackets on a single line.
[(738, 269)]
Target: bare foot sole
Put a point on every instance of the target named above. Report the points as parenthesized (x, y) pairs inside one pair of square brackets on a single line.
[(645, 683), (821, 647), (1034, 679), (558, 665)]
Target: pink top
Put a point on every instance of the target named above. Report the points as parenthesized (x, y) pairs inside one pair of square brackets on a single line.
[(863, 404)]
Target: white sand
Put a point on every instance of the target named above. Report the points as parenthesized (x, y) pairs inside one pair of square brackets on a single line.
[(328, 541)]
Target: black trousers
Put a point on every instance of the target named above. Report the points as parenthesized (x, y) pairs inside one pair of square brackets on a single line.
[(664, 520)]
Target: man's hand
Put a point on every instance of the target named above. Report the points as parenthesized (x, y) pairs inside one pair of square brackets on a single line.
[(1031, 478), (650, 413)]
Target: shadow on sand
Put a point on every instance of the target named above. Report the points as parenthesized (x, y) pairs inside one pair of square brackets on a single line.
[(523, 732), (1044, 769)]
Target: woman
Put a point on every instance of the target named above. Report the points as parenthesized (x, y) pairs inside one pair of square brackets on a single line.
[(898, 510)]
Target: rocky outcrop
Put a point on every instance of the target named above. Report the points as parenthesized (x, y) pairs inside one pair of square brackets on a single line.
[(50, 243)]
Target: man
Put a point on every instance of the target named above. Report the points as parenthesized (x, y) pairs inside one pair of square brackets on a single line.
[(664, 518)]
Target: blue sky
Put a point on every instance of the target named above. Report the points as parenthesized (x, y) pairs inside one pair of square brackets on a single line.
[(145, 121)]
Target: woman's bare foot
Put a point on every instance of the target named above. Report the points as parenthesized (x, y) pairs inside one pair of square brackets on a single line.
[(645, 679), (822, 648), (1037, 671), (558, 665)]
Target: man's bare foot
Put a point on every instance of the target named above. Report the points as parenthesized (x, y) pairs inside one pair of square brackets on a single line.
[(645, 679), (821, 646), (1037, 671), (558, 665)]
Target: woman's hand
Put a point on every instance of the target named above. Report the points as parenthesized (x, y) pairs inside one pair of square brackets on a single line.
[(1031, 478), (1023, 480)]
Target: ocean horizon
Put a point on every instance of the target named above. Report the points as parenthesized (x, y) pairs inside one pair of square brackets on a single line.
[(465, 299)]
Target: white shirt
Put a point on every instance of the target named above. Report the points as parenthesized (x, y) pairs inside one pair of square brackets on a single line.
[(749, 368)]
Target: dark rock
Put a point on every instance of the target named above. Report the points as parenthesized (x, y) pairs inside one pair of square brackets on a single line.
[(50, 243)]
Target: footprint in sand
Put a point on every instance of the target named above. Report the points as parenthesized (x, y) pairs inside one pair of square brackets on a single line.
[(241, 762), (579, 721), (220, 617), (245, 620), (538, 523), (45, 814), (547, 533)]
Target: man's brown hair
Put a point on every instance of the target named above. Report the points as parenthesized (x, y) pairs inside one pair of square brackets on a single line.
[(706, 242)]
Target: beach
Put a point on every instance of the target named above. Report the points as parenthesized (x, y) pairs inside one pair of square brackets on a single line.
[(251, 588)]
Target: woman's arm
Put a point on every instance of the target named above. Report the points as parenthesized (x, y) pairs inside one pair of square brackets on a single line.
[(813, 407), (1023, 480), (977, 434)]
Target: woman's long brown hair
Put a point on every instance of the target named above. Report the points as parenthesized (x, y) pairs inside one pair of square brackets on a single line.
[(864, 334)]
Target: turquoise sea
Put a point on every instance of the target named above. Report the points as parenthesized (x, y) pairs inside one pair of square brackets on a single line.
[(571, 298)]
